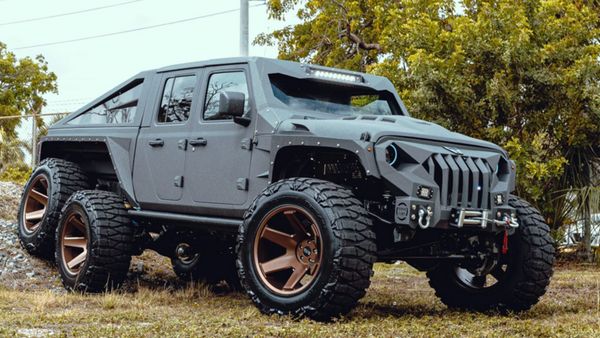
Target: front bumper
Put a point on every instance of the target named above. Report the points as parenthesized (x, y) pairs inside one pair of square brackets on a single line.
[(437, 186)]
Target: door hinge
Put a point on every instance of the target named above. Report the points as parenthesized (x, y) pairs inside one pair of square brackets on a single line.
[(242, 183), (178, 181), (247, 144), (182, 144)]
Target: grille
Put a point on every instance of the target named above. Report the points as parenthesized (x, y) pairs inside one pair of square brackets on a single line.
[(464, 181)]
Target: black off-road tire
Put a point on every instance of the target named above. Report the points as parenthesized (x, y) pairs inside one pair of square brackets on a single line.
[(530, 267), (208, 268), (64, 178), (349, 249), (109, 241)]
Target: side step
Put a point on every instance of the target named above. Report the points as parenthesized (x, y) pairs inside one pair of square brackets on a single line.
[(229, 225)]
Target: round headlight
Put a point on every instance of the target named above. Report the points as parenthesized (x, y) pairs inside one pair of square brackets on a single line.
[(391, 155)]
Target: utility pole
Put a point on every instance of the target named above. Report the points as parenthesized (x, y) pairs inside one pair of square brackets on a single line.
[(244, 27), (34, 114)]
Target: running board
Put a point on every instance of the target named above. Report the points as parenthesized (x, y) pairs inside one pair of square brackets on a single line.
[(220, 224)]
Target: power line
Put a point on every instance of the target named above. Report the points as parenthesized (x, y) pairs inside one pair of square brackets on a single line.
[(67, 13), (132, 30)]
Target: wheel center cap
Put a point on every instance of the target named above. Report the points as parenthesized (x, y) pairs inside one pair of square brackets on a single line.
[(307, 252)]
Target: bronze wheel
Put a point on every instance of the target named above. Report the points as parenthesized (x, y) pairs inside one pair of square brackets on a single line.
[(36, 203), (73, 243), (306, 249), (288, 250)]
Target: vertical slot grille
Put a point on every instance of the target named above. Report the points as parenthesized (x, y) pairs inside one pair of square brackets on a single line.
[(464, 181)]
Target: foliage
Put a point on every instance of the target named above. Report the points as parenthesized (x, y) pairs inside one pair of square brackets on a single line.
[(11, 150), (22, 84), (522, 74), (17, 174), (539, 162)]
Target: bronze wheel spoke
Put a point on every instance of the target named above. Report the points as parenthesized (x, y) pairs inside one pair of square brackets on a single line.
[(78, 260), (296, 277), (295, 223), (44, 183), (280, 238), (35, 226), (78, 224), (35, 215), (75, 242), (280, 263), (38, 196)]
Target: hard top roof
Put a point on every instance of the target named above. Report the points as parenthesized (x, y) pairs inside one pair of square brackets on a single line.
[(271, 66)]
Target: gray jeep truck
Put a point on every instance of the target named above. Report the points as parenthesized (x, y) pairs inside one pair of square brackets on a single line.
[(287, 180)]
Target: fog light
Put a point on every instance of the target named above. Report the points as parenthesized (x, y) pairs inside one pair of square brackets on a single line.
[(424, 192), (499, 199)]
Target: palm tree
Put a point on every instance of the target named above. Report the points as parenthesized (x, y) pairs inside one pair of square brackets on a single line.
[(582, 198), (12, 151)]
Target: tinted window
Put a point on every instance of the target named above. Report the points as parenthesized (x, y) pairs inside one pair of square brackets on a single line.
[(118, 109), (223, 82), (331, 98), (176, 101)]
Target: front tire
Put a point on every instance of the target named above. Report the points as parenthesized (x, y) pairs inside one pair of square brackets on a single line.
[(521, 278), (306, 248), (93, 242), (44, 195)]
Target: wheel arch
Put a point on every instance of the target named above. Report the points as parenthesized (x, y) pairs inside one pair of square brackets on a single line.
[(104, 159), (337, 165)]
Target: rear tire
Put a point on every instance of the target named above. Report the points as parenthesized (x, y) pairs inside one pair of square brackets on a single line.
[(334, 241), (94, 224), (529, 264), (44, 195)]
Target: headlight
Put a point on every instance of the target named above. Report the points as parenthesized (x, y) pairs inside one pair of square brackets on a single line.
[(391, 155)]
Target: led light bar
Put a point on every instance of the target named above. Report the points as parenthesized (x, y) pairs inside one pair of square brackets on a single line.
[(335, 76)]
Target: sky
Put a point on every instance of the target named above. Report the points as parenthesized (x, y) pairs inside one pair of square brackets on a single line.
[(87, 69)]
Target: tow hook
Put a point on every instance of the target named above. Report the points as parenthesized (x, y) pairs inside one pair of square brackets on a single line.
[(511, 221), (425, 217)]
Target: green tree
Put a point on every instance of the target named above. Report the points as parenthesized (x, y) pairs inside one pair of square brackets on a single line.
[(523, 74), (22, 84)]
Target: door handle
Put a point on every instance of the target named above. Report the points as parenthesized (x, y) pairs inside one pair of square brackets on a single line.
[(201, 141), (157, 143)]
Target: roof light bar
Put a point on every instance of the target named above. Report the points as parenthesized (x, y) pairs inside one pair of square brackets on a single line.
[(335, 76)]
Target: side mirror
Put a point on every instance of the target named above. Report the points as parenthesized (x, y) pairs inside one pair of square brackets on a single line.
[(231, 104)]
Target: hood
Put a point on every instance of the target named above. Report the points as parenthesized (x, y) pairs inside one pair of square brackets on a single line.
[(352, 127)]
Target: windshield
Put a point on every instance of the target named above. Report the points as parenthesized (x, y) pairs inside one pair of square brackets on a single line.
[(339, 99)]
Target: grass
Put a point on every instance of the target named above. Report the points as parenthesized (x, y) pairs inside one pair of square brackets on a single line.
[(399, 303)]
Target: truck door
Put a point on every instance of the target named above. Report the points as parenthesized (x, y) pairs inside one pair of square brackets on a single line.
[(161, 150), (218, 160)]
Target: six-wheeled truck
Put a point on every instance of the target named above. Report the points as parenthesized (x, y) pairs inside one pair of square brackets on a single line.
[(287, 180)]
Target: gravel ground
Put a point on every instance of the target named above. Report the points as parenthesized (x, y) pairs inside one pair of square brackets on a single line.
[(10, 194), (18, 270)]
